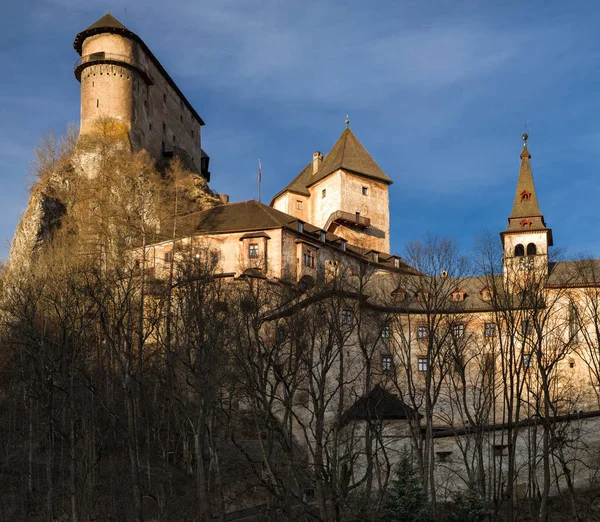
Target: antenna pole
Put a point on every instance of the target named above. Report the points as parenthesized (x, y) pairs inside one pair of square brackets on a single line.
[(259, 179)]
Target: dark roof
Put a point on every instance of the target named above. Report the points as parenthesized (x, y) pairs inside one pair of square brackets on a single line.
[(379, 404), (109, 24), (349, 154), (234, 217)]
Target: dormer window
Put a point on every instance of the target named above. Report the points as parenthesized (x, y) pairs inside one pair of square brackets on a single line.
[(322, 236), (396, 263), (299, 204), (525, 196), (458, 296), (300, 226), (486, 294), (375, 257), (526, 223), (253, 251), (343, 245)]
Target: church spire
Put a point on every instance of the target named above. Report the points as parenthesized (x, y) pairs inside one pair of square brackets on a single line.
[(526, 213), (526, 233)]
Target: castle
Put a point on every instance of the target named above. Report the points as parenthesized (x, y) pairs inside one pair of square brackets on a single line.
[(483, 376)]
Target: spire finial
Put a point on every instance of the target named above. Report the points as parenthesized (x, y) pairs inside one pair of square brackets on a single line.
[(525, 136), (347, 121), (108, 9)]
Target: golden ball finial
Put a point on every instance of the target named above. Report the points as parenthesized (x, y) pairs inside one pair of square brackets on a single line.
[(347, 121), (525, 136)]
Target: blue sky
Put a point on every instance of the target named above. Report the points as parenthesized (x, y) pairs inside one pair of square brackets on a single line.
[(437, 91)]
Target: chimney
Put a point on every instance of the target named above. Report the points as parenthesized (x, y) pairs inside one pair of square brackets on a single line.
[(317, 159)]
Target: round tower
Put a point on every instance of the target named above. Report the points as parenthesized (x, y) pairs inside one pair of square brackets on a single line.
[(110, 71)]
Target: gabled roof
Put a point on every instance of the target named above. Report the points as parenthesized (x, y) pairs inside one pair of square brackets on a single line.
[(379, 405), (234, 217), (349, 154)]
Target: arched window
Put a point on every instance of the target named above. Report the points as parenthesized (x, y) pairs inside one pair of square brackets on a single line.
[(519, 250), (531, 251)]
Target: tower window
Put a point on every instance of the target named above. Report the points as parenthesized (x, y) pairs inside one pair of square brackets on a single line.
[(164, 98), (531, 250), (324, 193), (97, 103), (150, 125), (253, 251), (525, 195), (526, 223), (365, 191), (164, 127), (299, 204), (519, 250), (181, 118)]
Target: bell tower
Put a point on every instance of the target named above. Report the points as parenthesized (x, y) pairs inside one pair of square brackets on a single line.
[(526, 238)]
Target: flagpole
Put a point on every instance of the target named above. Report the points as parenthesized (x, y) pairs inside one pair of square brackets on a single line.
[(259, 179)]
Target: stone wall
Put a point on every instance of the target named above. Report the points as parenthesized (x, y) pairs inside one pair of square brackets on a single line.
[(157, 117)]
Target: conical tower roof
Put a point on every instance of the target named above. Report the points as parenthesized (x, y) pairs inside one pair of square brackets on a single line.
[(526, 201), (526, 214), (107, 24)]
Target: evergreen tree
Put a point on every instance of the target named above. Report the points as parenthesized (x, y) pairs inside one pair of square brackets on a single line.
[(469, 506), (407, 501)]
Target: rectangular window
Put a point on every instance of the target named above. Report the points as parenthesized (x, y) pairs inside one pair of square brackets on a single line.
[(324, 193), (300, 226), (365, 191), (168, 256), (322, 236), (422, 364), (150, 126), (500, 450), (214, 257), (527, 360), (385, 332), (489, 329), (346, 316), (526, 328), (253, 251), (164, 127), (309, 258), (387, 365), (396, 262), (299, 204), (164, 98), (458, 330), (422, 332), (573, 324)]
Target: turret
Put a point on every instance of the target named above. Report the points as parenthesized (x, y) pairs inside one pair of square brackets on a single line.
[(122, 80)]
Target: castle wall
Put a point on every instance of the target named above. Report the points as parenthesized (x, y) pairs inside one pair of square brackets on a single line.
[(375, 205), (288, 203), (322, 207), (155, 114)]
